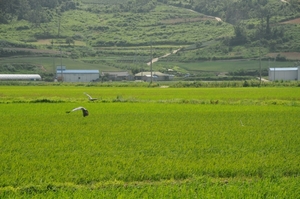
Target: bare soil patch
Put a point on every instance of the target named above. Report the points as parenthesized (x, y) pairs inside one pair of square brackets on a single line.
[(43, 51), (48, 42), (186, 20), (288, 55), (292, 21), (37, 51)]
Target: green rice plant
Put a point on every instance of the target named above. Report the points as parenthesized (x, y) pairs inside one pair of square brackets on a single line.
[(73, 93), (146, 148)]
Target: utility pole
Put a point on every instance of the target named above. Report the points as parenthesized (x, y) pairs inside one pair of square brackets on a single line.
[(58, 33), (151, 65), (261, 28), (61, 68), (259, 65), (54, 72)]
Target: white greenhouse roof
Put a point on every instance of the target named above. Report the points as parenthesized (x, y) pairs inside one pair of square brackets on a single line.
[(284, 69), (78, 71), (19, 76)]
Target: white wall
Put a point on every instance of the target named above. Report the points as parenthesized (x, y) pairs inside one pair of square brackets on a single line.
[(80, 77), (283, 74)]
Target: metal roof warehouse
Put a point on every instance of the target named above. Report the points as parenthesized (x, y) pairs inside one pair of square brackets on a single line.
[(289, 73), (77, 75)]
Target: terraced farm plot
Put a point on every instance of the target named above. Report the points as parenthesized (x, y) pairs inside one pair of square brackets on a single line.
[(154, 148)]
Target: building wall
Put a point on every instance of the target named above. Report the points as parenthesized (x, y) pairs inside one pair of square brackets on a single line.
[(79, 77), (283, 75)]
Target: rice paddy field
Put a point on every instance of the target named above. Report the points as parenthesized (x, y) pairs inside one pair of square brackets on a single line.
[(149, 142)]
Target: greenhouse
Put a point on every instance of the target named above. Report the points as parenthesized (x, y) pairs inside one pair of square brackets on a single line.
[(29, 77)]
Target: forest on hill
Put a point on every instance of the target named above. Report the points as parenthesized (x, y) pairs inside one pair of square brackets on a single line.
[(116, 32), (231, 11)]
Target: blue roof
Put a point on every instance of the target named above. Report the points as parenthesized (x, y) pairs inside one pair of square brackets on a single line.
[(284, 69), (78, 71)]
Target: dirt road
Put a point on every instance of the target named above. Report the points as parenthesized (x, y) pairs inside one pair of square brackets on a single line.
[(166, 55)]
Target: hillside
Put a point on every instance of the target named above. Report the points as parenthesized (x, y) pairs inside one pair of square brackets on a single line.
[(125, 35)]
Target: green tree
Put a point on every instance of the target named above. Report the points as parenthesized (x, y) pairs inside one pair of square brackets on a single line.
[(38, 16), (70, 40), (23, 10), (7, 10), (240, 35)]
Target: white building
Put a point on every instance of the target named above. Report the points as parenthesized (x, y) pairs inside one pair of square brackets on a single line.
[(77, 75), (156, 76), (290, 73), (116, 76), (30, 77)]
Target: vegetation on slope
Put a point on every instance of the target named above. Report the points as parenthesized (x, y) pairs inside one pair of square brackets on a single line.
[(119, 34)]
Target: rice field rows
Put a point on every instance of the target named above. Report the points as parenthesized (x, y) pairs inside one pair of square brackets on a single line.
[(160, 145)]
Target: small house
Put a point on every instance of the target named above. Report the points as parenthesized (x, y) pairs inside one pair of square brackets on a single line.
[(156, 76), (116, 76)]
